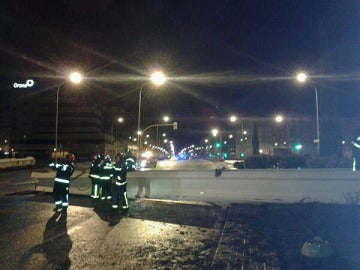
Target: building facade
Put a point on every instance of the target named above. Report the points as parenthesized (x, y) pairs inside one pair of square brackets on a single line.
[(28, 124)]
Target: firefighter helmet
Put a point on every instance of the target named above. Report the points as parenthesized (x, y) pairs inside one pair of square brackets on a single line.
[(107, 158), (120, 157), (70, 157), (100, 156)]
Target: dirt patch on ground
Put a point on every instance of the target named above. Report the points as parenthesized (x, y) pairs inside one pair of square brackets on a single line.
[(270, 236)]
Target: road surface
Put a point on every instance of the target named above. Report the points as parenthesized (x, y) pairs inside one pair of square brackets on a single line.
[(160, 234)]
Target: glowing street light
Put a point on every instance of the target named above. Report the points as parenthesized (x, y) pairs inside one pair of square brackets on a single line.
[(119, 120), (280, 119), (217, 143), (166, 118), (302, 78), (233, 118), (214, 132), (157, 78), (75, 78)]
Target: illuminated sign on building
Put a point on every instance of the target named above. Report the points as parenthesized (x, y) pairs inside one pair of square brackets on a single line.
[(27, 84)]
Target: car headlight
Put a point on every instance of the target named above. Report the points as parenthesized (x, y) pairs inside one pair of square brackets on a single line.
[(143, 163)]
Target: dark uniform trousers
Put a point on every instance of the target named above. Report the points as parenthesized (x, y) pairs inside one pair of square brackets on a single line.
[(94, 187), (61, 194), (105, 181), (119, 186), (94, 178), (119, 195)]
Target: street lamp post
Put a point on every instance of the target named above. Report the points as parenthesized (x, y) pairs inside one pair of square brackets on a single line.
[(302, 78), (279, 119), (317, 119), (215, 132), (165, 119), (56, 122), (119, 120), (157, 78), (233, 119), (138, 132), (75, 78)]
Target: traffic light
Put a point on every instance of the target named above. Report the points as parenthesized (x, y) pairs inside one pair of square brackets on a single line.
[(297, 147), (217, 144), (242, 154)]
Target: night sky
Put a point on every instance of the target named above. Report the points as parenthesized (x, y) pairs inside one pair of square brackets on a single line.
[(221, 56)]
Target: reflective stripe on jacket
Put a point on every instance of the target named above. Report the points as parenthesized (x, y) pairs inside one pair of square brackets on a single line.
[(61, 180)]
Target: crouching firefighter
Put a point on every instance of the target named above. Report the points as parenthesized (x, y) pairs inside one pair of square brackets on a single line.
[(64, 170), (119, 183)]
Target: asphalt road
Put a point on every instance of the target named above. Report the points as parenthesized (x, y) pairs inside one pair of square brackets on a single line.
[(12, 181), (158, 234), (152, 235)]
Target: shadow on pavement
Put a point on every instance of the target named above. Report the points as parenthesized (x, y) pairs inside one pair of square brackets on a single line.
[(206, 216), (105, 212), (55, 247)]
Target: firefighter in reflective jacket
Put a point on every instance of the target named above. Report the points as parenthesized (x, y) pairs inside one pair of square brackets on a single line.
[(95, 176), (119, 182), (64, 170), (105, 173), (129, 160), (130, 163)]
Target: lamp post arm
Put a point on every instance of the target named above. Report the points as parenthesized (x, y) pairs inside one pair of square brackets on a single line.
[(156, 125), (138, 124), (57, 121), (139, 109)]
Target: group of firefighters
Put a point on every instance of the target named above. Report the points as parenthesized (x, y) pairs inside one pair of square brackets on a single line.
[(108, 180)]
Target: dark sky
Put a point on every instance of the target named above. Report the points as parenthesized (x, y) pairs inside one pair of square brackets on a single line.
[(221, 56)]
